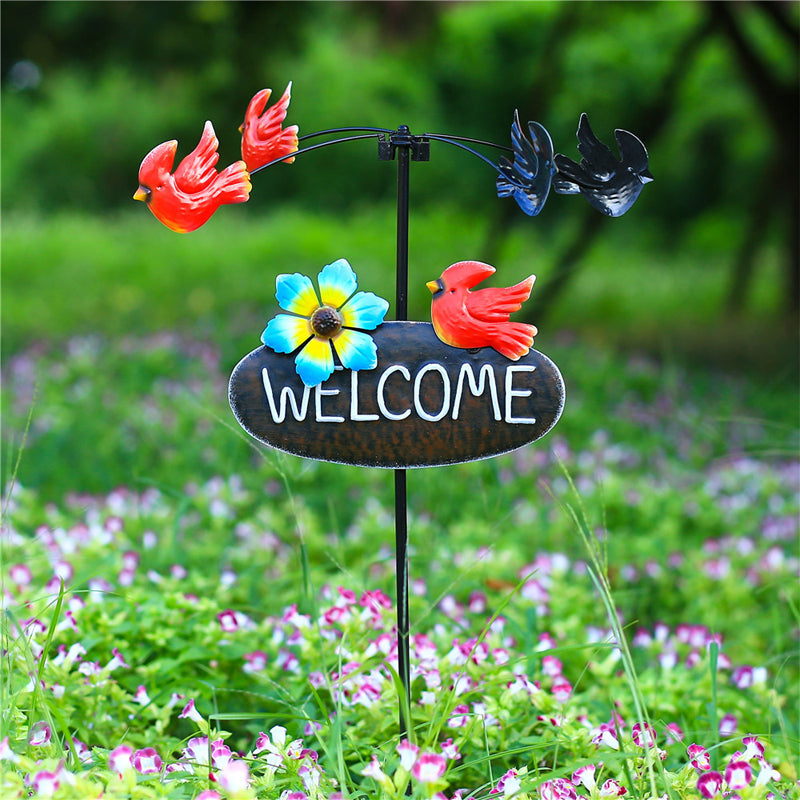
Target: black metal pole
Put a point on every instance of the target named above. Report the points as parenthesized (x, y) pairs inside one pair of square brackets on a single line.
[(400, 493)]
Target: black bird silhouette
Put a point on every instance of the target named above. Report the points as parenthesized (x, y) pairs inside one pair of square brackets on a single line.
[(610, 185), (528, 178)]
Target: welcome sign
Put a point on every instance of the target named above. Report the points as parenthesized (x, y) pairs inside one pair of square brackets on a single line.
[(424, 404)]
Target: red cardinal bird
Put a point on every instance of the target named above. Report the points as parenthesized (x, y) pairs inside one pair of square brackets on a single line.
[(480, 319), (263, 139), (185, 199)]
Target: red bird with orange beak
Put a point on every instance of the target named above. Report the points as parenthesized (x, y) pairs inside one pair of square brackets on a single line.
[(466, 319), (263, 139), (185, 199)]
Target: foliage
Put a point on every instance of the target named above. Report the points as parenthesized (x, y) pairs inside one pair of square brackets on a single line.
[(262, 600), (81, 112)]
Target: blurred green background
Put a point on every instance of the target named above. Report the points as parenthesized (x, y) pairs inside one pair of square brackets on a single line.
[(704, 266)]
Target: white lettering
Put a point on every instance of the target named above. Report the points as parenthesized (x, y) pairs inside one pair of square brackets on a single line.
[(355, 415), (511, 393), (319, 393), (381, 385), (446, 400), (486, 374), (286, 394)]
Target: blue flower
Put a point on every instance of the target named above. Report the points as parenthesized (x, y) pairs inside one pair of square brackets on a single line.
[(320, 327)]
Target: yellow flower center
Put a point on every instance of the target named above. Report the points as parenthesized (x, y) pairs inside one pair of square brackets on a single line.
[(326, 322)]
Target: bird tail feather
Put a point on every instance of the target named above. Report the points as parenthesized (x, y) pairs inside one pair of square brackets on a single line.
[(513, 339), (233, 184)]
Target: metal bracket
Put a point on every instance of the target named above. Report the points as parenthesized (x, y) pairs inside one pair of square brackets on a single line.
[(420, 146)]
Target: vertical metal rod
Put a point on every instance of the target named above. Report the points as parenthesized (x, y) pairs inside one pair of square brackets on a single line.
[(400, 493)]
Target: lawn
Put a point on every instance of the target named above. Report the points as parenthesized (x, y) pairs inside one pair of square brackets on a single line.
[(187, 613)]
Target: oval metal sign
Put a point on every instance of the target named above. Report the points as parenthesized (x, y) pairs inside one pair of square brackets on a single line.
[(425, 404)]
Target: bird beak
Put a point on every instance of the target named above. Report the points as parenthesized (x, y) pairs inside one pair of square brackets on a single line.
[(142, 193), (646, 176), (435, 286), (241, 128)]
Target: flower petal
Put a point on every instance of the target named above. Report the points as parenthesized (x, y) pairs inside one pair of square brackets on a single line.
[(364, 310), (315, 362), (356, 350), (285, 333), (296, 293), (337, 282)]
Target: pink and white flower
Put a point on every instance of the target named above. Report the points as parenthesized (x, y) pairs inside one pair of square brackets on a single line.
[(449, 750), (738, 774), (612, 788), (147, 761), (508, 784), (557, 789), (709, 784), (120, 759), (699, 757), (584, 776), (190, 712), (46, 784), (727, 725), (39, 734), (429, 767), (408, 753), (256, 661), (234, 776), (644, 735)]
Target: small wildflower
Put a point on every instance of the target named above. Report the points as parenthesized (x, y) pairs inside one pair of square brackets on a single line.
[(612, 788), (508, 784), (557, 789), (644, 735), (584, 776), (752, 749), (709, 784), (449, 750), (21, 575), (256, 661), (120, 759), (190, 712), (738, 774), (429, 767), (39, 734), (46, 784), (141, 697), (699, 757), (147, 761), (116, 661), (408, 753), (727, 725), (6, 753), (234, 776), (673, 733)]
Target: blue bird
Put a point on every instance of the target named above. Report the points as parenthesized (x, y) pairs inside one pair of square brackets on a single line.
[(528, 178), (610, 185)]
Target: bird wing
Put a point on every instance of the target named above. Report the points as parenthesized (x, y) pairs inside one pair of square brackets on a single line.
[(197, 171), (632, 151), (527, 179), (495, 305), (269, 124)]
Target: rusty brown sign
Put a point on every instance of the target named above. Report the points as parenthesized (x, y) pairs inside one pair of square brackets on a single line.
[(425, 403)]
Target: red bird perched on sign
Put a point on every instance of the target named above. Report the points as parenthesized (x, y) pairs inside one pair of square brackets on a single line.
[(185, 199), (480, 319), (263, 139)]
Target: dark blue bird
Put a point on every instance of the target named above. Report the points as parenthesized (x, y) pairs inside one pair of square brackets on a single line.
[(528, 178), (611, 185)]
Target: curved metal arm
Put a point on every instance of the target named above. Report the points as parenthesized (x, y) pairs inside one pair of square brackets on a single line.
[(456, 141), (320, 144)]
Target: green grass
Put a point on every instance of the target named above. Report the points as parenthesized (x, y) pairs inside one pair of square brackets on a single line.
[(136, 277), (662, 509)]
